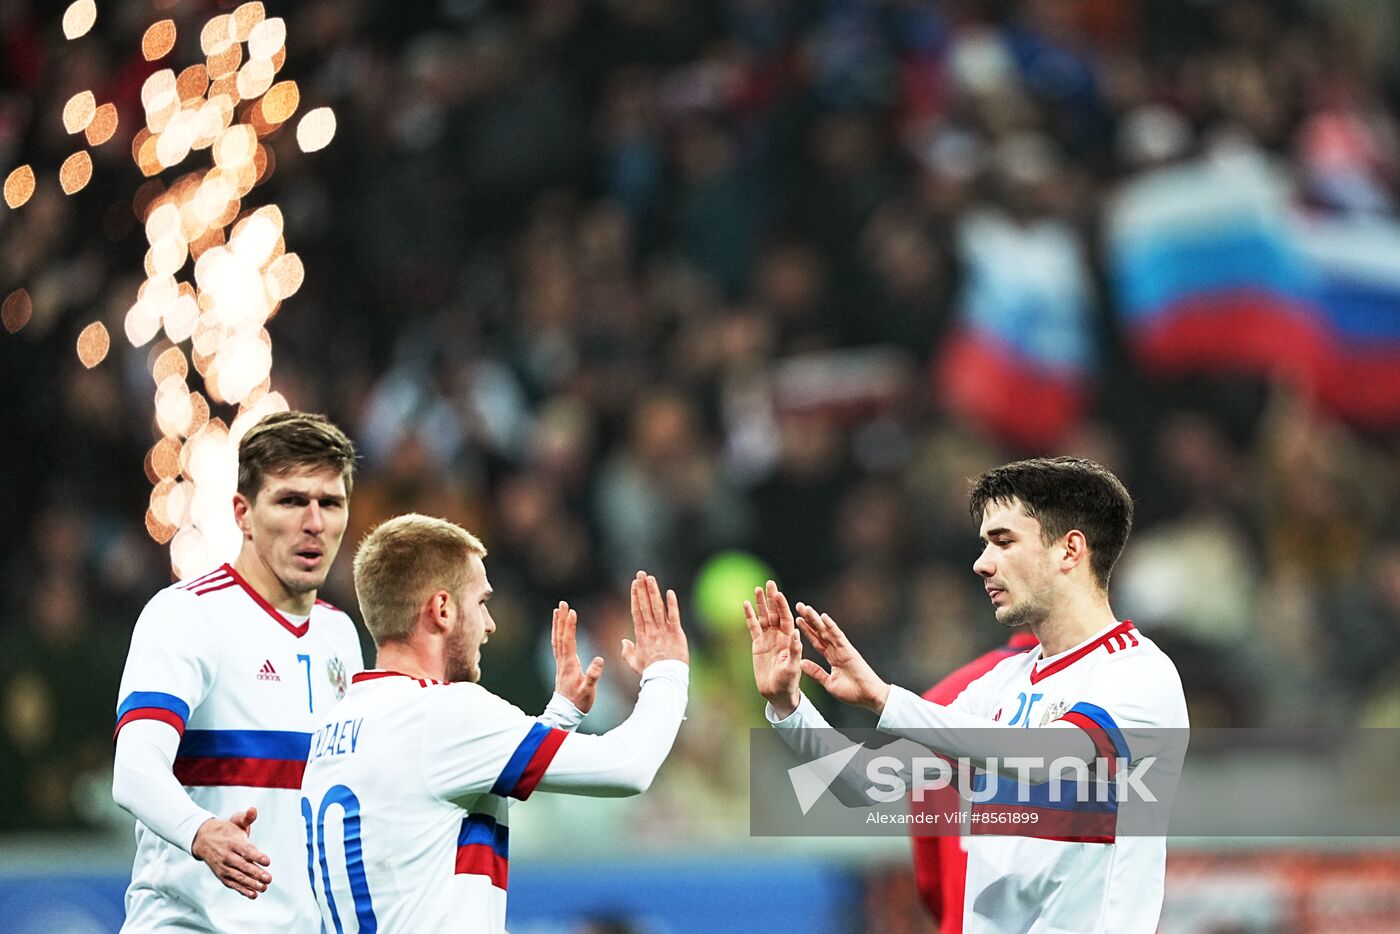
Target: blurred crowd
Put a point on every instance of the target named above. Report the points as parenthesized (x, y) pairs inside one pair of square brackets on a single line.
[(625, 284)]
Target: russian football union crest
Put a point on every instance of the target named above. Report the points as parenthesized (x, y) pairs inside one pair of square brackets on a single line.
[(1054, 712), (335, 672)]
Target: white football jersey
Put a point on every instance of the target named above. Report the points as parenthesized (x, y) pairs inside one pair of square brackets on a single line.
[(244, 687), (407, 791), (1109, 685)]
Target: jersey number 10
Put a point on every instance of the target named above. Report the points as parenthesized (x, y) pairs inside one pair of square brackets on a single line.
[(354, 856)]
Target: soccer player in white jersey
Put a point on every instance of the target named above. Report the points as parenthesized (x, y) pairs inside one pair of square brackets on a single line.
[(407, 792), (1052, 530), (226, 676)]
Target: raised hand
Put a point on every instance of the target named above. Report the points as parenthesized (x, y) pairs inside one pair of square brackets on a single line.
[(777, 648), (658, 626), (225, 848), (570, 679), (851, 679)]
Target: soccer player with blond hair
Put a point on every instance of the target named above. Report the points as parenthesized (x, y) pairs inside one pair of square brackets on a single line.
[(407, 791)]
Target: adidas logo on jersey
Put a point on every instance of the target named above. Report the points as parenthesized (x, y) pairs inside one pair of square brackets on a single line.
[(268, 673)]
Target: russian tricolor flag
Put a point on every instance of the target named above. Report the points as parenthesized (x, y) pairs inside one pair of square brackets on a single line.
[(1020, 361), (1214, 272)]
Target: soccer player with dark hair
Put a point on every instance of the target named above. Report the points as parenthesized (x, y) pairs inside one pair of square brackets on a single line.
[(1051, 531), (226, 674)]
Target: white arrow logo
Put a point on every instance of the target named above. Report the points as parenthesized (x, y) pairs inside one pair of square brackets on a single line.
[(811, 779)]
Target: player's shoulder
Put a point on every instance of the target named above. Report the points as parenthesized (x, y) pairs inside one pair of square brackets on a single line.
[(189, 598)]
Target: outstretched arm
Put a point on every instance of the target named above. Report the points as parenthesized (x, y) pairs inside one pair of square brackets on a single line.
[(624, 760)]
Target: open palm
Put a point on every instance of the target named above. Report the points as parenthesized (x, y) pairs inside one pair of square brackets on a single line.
[(777, 647)]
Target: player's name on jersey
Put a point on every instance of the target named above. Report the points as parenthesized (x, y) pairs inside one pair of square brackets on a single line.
[(336, 739)]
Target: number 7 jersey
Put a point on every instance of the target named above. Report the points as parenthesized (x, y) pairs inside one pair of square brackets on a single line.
[(244, 687)]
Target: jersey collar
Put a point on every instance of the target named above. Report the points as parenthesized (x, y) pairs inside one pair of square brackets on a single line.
[(271, 610), (375, 673), (1065, 659)]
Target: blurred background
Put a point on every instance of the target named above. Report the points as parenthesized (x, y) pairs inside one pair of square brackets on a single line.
[(730, 288)]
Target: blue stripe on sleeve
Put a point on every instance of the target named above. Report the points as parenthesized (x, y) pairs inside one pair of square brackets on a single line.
[(1101, 717), (246, 744), (483, 829), (138, 699), (510, 775)]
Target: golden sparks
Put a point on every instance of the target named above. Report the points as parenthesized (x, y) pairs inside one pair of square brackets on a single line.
[(255, 78), (17, 310), (75, 172), (224, 65), (19, 186), (216, 35), (79, 111), (93, 344), (160, 532), (79, 18), (158, 40), (316, 129), (267, 37), (165, 457), (191, 83), (103, 125), (171, 362), (285, 275), (245, 18), (281, 101)]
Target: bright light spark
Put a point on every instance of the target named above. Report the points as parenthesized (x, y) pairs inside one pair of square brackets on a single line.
[(267, 37), (171, 362), (103, 125), (316, 129), (158, 40), (181, 316), (75, 172), (93, 344), (224, 64), (165, 458), (235, 147), (217, 35), (17, 310), (255, 78), (142, 323), (281, 102), (245, 18), (192, 83), (79, 111), (79, 18), (285, 276), (19, 186), (173, 407)]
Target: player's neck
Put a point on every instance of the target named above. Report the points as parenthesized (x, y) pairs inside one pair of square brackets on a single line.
[(407, 660), (1076, 621), (260, 577)]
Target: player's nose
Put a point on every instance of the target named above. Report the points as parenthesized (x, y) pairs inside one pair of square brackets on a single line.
[(313, 520), (984, 566)]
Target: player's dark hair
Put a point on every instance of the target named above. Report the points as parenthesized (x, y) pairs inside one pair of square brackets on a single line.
[(1063, 494), (286, 440)]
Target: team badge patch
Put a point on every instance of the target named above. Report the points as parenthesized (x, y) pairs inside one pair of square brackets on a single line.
[(335, 673), (1054, 712)]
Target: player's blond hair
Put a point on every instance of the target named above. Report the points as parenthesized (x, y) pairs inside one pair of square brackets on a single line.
[(283, 441), (404, 561)]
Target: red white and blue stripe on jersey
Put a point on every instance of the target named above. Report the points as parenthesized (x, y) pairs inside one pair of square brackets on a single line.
[(1108, 740), (246, 758), (527, 764), (152, 705), (483, 849)]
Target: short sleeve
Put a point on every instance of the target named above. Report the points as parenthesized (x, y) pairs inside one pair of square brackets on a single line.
[(478, 743), (171, 664)]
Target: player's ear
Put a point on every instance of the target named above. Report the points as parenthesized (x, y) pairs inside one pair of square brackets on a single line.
[(1076, 548), (241, 507), (440, 609)]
